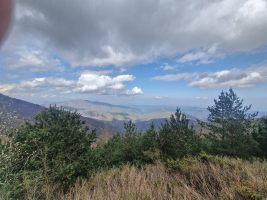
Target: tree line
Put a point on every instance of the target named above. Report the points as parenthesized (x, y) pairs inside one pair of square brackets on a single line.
[(57, 148)]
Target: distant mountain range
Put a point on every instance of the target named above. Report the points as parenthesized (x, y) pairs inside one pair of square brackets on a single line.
[(106, 118), (116, 115), (110, 112), (27, 111)]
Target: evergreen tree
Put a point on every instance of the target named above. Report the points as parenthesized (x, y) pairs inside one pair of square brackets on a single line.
[(230, 126), (176, 138)]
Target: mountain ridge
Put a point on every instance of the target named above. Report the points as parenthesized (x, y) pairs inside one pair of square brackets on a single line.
[(110, 112), (19, 107), (105, 117), (27, 111)]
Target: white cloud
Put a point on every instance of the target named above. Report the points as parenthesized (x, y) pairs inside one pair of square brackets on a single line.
[(135, 91), (237, 78), (102, 83), (42, 84), (86, 83), (230, 78)]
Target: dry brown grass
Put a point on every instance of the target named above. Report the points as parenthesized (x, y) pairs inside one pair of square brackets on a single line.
[(218, 178)]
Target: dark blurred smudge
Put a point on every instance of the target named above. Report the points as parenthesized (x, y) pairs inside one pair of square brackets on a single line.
[(6, 7)]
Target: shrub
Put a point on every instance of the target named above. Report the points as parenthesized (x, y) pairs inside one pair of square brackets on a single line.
[(56, 149)]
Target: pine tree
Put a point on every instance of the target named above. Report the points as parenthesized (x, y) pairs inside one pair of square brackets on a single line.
[(176, 138), (230, 126), (132, 143)]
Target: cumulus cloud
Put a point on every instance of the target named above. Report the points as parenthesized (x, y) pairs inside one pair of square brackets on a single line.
[(125, 33), (42, 84), (102, 83), (237, 78), (134, 91), (230, 78), (86, 83)]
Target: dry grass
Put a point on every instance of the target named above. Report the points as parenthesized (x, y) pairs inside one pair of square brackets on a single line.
[(218, 178)]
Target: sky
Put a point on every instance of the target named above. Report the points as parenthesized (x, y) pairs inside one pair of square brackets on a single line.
[(156, 52)]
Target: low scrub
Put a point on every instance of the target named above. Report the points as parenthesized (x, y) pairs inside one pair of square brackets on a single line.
[(188, 178)]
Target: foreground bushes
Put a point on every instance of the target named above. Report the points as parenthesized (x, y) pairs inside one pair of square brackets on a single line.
[(175, 139), (57, 149)]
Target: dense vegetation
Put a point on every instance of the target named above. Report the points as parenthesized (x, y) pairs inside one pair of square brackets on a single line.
[(57, 150)]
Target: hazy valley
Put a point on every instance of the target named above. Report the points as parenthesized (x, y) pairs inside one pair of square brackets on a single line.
[(106, 118)]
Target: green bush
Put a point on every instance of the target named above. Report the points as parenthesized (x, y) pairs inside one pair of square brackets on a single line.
[(56, 148)]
